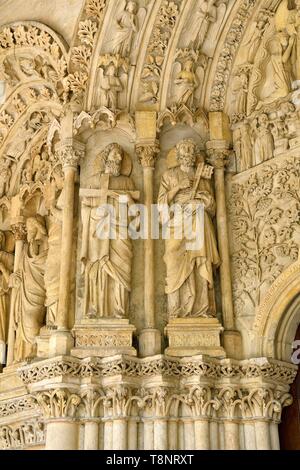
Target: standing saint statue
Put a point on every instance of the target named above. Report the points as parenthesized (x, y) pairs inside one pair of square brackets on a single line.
[(52, 271), (6, 268), (107, 260), (28, 300), (190, 284)]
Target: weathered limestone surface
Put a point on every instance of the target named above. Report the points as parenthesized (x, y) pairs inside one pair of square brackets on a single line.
[(109, 110)]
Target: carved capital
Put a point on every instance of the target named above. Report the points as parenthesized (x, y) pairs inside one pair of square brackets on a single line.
[(147, 154), (157, 401), (230, 399), (90, 402), (19, 230), (118, 401), (202, 401), (265, 403), (218, 153), (58, 403), (70, 154)]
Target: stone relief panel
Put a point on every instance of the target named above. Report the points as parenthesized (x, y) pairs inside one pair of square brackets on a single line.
[(264, 216), (263, 98), (22, 436)]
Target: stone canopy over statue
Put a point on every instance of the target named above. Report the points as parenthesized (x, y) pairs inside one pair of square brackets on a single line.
[(107, 262), (190, 284)]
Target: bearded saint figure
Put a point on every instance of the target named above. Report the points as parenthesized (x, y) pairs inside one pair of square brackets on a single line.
[(107, 261), (189, 283)]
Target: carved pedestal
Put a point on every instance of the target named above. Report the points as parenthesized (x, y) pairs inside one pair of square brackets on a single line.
[(102, 338), (194, 336)]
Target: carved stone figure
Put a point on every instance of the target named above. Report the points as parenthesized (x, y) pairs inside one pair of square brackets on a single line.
[(205, 15), (246, 148), (263, 140), (254, 36), (243, 146), (279, 48), (29, 289), (240, 90), (126, 28), (190, 284), (110, 88), (107, 262), (112, 76), (186, 83), (5, 175), (52, 268), (293, 28), (6, 268)]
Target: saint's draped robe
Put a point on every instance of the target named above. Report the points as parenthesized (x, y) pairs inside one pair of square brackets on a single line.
[(189, 282), (107, 261)]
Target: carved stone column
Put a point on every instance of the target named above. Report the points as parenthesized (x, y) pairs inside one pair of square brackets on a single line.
[(218, 151), (147, 150), (59, 408), (202, 403), (92, 421), (18, 228), (160, 401), (230, 399), (91, 435), (117, 407), (70, 154), (266, 406), (232, 435), (263, 438)]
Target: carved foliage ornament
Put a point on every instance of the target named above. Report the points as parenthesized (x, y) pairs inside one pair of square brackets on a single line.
[(225, 61), (48, 63), (81, 54), (265, 214), (132, 367), (156, 51)]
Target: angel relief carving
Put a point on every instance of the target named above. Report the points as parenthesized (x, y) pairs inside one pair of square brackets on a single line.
[(126, 28), (253, 37), (190, 283), (188, 76), (207, 18), (277, 67), (107, 256)]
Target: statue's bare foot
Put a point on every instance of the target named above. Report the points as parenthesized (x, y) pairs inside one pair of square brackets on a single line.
[(92, 315), (29, 359), (119, 316)]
